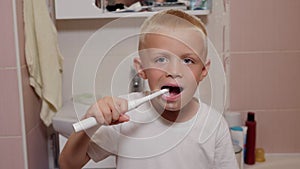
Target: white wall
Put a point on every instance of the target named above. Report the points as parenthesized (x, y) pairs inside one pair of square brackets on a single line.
[(83, 43)]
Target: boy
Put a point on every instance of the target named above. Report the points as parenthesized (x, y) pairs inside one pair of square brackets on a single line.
[(174, 130)]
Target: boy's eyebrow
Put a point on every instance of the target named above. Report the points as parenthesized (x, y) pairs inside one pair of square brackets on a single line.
[(188, 54), (165, 52), (159, 51)]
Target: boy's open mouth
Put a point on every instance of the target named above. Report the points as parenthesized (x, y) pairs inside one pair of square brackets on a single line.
[(173, 90)]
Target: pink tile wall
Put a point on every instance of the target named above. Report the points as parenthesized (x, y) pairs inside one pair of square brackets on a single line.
[(265, 81), (266, 25), (37, 147), (7, 41), (277, 130), (21, 37), (32, 104), (264, 69), (10, 122), (11, 154), (36, 132)]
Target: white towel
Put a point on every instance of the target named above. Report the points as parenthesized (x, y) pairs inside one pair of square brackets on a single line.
[(43, 57)]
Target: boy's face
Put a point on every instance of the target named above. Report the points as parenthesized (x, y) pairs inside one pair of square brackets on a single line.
[(173, 61)]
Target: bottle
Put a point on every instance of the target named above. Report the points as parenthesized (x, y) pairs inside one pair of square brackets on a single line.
[(251, 138)]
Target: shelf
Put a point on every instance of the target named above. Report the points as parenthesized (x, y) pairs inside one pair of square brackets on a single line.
[(87, 10), (124, 14)]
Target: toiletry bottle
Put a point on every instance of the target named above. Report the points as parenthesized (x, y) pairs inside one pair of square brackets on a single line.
[(251, 136)]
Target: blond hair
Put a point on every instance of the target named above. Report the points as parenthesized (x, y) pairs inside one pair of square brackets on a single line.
[(172, 19)]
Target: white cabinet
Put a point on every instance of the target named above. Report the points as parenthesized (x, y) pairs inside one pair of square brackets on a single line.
[(86, 9), (72, 9)]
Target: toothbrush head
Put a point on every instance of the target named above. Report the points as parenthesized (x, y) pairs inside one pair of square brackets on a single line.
[(164, 91)]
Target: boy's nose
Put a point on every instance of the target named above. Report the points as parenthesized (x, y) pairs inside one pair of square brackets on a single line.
[(174, 69)]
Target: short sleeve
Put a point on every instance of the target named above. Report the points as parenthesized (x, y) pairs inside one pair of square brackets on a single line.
[(224, 155), (96, 153), (104, 143)]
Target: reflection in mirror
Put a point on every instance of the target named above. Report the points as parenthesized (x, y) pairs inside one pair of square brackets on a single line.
[(144, 5)]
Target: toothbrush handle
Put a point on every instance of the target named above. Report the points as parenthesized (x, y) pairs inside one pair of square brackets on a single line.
[(85, 124), (91, 121)]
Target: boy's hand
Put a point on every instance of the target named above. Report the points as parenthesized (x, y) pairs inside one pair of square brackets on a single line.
[(109, 111)]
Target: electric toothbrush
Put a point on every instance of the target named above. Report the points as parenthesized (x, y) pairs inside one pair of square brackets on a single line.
[(91, 121)]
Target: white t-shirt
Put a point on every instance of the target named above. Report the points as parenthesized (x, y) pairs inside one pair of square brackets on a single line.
[(148, 141)]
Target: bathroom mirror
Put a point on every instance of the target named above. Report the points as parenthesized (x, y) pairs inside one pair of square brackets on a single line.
[(140, 5)]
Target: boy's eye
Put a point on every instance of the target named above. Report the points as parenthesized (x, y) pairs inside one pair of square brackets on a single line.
[(161, 60), (188, 61)]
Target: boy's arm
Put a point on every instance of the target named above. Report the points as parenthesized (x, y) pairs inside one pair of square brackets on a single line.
[(107, 110), (74, 154)]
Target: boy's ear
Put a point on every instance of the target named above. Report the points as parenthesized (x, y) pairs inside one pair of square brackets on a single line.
[(205, 70), (139, 68)]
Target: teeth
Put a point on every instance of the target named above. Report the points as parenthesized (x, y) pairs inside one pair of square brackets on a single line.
[(172, 88), (167, 94)]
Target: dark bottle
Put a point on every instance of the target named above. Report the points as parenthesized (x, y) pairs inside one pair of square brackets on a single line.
[(251, 138)]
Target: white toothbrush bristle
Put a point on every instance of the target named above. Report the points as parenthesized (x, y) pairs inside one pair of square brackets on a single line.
[(165, 91)]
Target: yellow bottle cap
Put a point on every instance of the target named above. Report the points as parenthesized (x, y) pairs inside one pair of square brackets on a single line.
[(260, 155)]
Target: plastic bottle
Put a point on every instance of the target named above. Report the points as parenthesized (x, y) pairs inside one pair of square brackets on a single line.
[(251, 139)]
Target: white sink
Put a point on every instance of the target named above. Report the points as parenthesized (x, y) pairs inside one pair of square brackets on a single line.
[(70, 113)]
